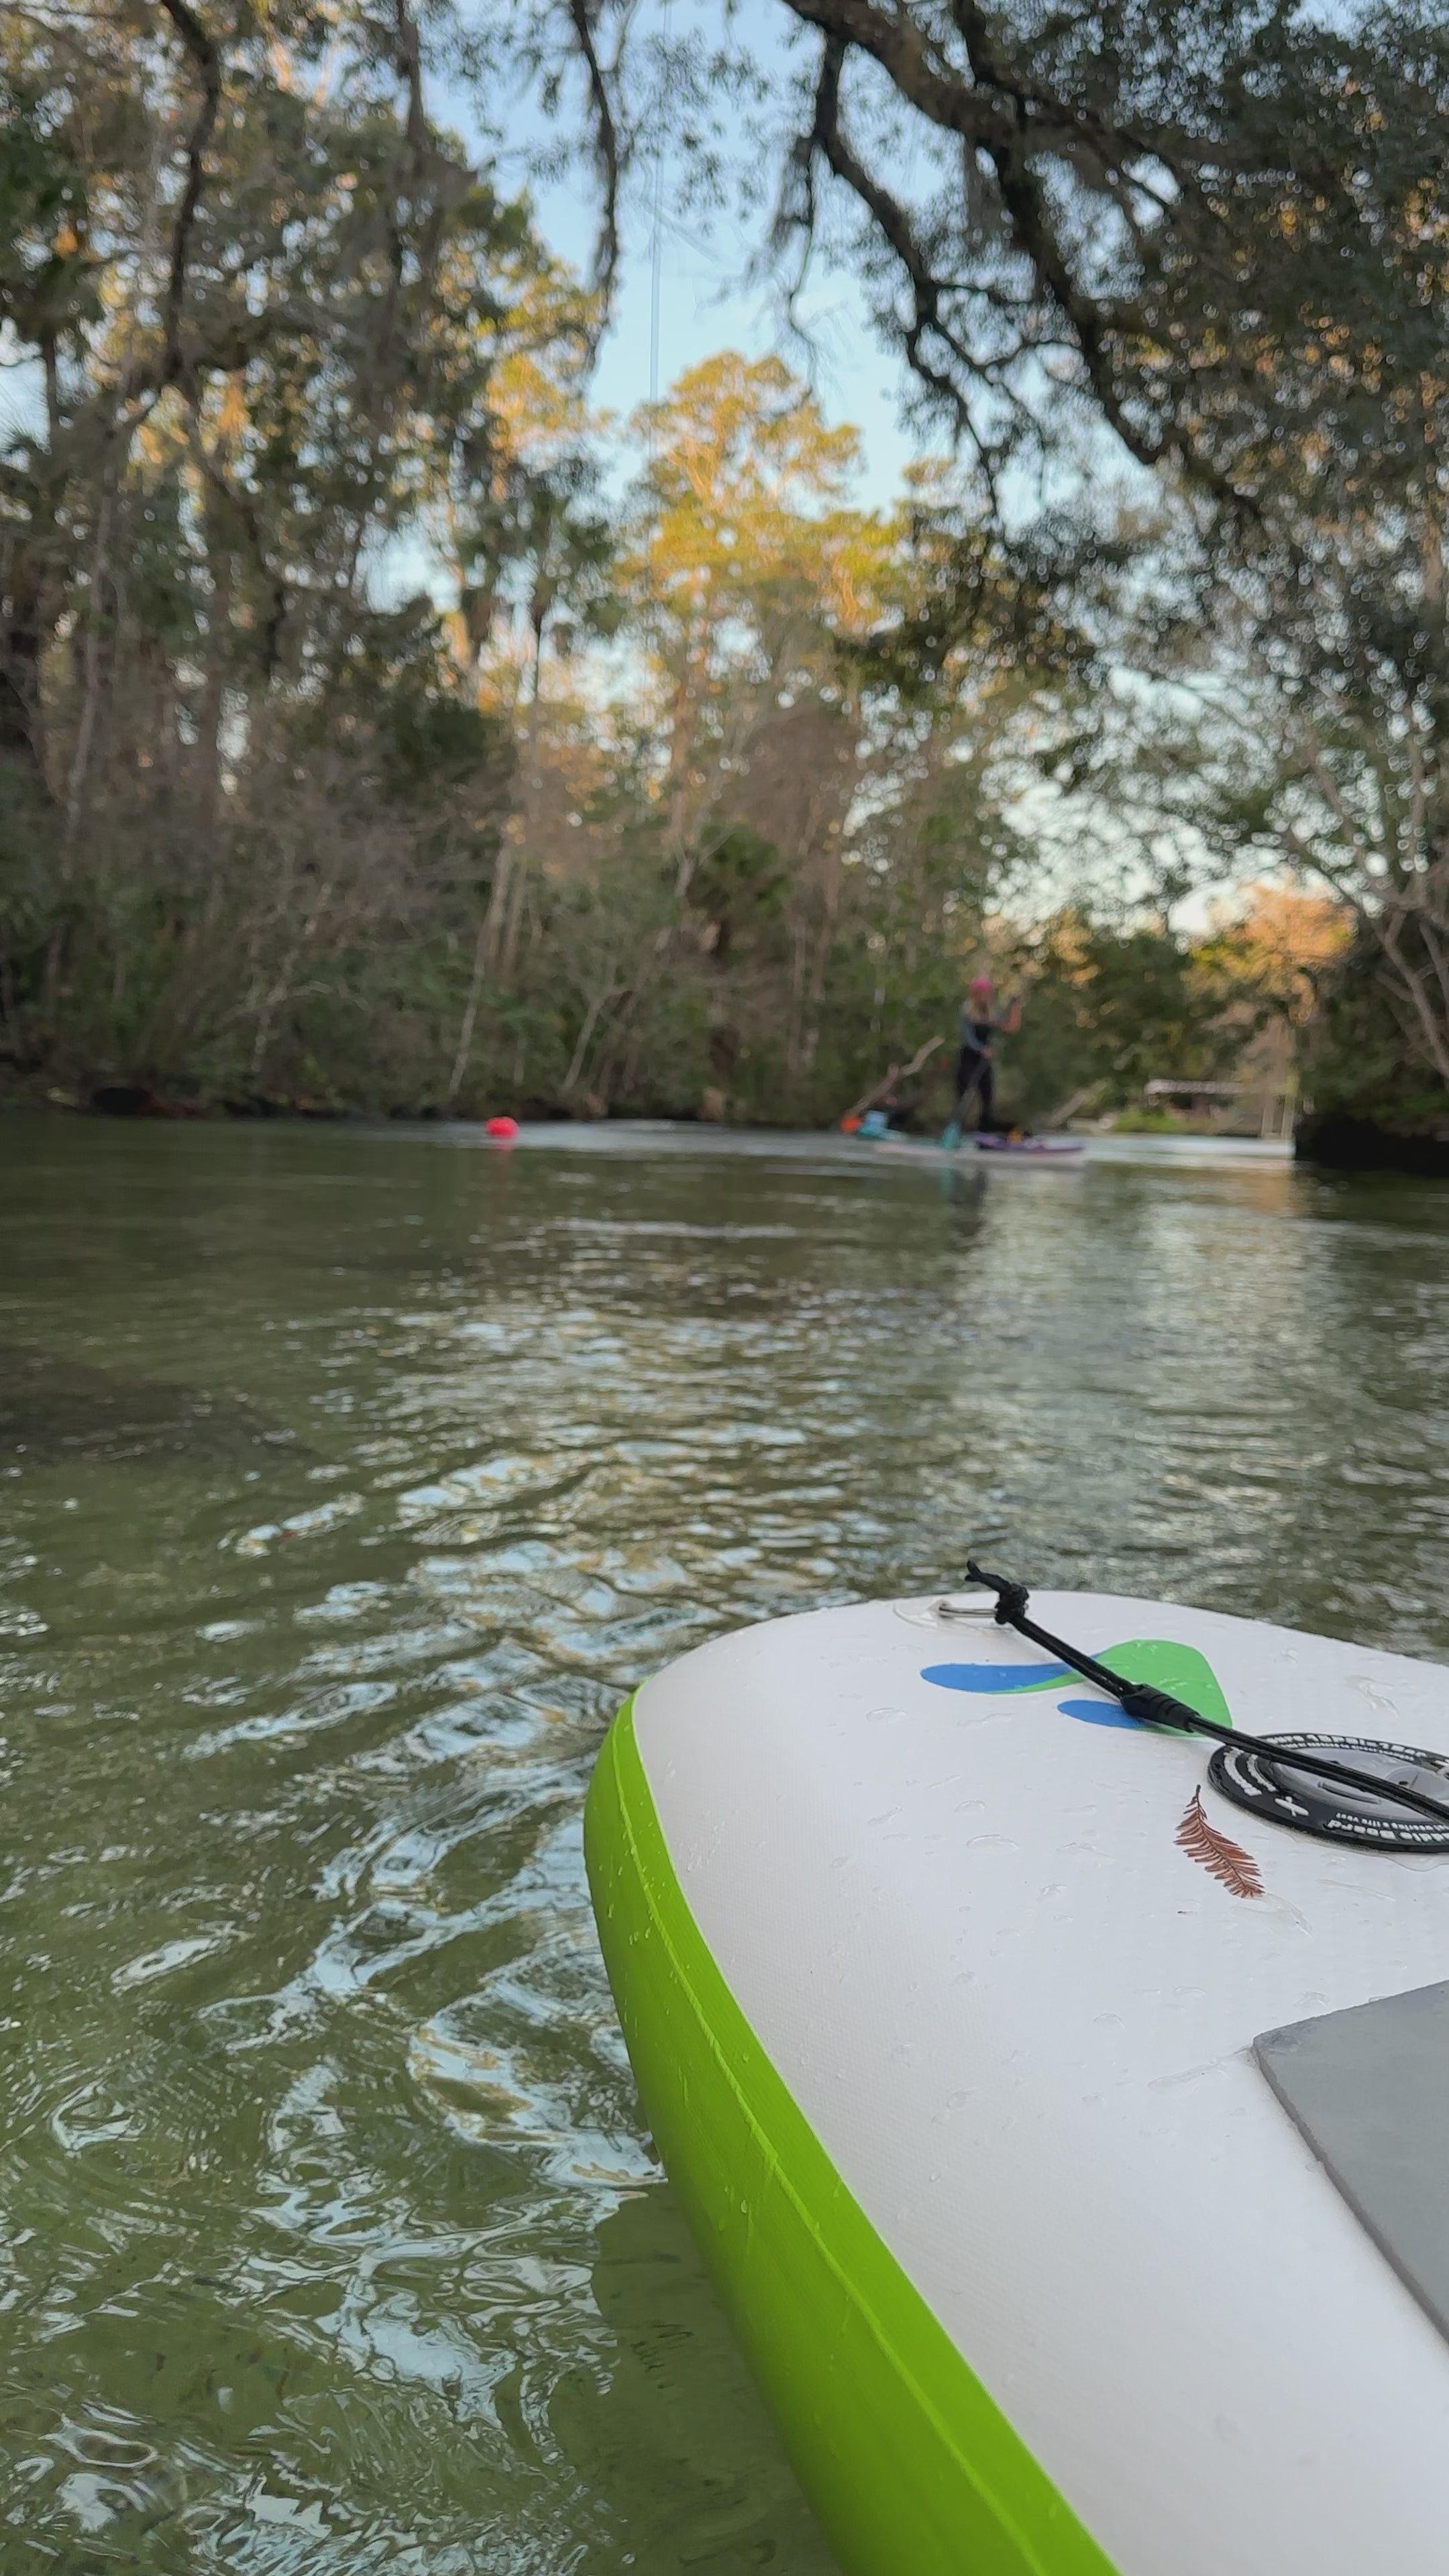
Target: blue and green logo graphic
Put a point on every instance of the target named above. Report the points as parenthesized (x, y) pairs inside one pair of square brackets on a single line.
[(1179, 1669)]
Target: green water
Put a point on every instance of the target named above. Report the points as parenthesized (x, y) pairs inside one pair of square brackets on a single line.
[(347, 1482)]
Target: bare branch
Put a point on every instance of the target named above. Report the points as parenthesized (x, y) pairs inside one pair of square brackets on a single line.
[(606, 149), (206, 62), (928, 320), (410, 66)]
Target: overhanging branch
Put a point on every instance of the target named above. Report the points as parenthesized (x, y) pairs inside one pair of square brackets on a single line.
[(606, 147), (1019, 132)]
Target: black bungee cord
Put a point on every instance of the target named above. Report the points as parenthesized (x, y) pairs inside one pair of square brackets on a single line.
[(1154, 1707)]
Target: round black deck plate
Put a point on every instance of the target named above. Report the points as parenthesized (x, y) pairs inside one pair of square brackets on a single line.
[(1309, 1804)]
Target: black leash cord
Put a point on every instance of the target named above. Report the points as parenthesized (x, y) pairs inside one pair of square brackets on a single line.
[(1153, 1707)]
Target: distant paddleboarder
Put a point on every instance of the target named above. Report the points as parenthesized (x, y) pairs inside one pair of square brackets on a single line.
[(980, 1029)]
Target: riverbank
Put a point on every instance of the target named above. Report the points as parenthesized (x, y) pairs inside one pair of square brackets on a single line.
[(1339, 1142), (1335, 1141)]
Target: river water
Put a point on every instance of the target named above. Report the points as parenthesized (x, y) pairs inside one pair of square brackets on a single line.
[(348, 1480)]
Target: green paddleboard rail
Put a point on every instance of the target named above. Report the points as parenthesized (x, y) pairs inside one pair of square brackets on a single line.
[(909, 2463)]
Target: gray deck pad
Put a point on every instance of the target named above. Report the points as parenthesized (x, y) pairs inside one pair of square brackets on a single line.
[(1369, 2088)]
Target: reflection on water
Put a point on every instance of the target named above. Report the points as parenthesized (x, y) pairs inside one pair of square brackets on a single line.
[(348, 1481)]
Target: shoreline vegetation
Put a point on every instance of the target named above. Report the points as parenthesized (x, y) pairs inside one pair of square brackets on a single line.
[(384, 730), (1107, 1007)]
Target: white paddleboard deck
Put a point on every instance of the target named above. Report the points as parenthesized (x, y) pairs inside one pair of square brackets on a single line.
[(1014, 1988)]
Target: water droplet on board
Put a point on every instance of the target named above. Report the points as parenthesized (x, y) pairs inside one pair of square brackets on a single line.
[(1373, 1691)]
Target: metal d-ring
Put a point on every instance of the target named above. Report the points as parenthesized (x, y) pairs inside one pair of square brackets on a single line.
[(956, 1605)]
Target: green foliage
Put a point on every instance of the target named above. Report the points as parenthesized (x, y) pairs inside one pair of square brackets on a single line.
[(434, 743), (739, 888), (1362, 1059), (247, 810), (1111, 1009)]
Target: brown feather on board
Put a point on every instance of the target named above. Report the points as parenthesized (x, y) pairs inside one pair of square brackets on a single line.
[(1230, 1865)]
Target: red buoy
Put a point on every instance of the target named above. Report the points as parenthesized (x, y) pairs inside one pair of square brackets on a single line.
[(501, 1127)]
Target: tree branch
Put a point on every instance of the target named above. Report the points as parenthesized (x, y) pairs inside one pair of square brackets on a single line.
[(897, 45), (206, 63), (1013, 127), (826, 139), (606, 149), (410, 67)]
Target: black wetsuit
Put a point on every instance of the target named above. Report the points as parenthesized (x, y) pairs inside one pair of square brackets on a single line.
[(973, 1066)]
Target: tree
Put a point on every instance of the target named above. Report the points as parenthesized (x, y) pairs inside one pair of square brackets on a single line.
[(538, 536), (265, 300), (1114, 1005), (753, 857), (1224, 232), (1284, 707), (737, 524), (802, 790)]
